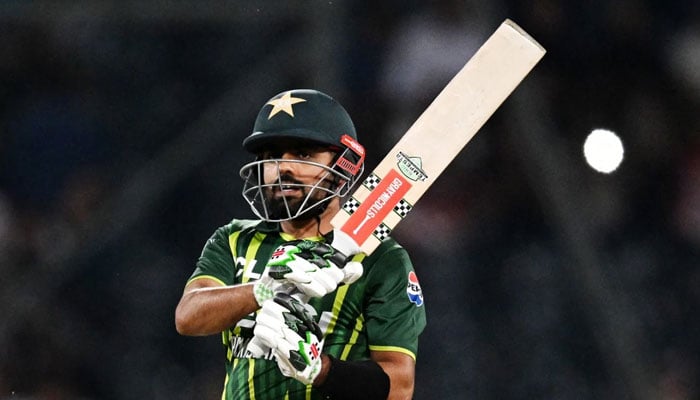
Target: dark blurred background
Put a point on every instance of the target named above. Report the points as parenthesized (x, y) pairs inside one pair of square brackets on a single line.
[(121, 124)]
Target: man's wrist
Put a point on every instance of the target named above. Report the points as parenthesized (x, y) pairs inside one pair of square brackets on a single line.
[(325, 368), (262, 291), (349, 380)]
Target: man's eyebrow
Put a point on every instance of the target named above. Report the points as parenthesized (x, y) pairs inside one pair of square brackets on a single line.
[(311, 147), (315, 147)]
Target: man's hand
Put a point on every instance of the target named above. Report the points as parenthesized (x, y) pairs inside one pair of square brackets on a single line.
[(307, 267), (313, 267), (286, 325)]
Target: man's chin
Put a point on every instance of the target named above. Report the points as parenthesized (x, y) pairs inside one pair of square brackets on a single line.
[(280, 212), (281, 209)]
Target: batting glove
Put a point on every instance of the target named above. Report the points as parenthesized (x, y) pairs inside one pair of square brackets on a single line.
[(311, 266), (286, 326), (266, 287)]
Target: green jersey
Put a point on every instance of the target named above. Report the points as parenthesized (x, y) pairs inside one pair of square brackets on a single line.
[(382, 311)]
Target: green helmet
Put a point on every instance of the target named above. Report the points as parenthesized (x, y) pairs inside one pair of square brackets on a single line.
[(304, 114), (307, 115)]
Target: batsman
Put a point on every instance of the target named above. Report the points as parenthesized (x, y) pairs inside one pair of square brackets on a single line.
[(302, 312)]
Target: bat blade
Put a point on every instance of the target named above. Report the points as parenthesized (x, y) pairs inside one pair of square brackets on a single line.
[(440, 133)]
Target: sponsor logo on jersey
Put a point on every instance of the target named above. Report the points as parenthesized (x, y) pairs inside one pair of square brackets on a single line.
[(413, 290)]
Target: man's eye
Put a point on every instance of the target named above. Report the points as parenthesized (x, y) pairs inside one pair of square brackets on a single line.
[(269, 155), (301, 154)]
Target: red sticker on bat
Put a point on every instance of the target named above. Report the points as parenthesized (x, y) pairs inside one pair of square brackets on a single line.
[(376, 206)]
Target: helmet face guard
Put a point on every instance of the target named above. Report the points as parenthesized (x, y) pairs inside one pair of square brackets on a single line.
[(334, 181)]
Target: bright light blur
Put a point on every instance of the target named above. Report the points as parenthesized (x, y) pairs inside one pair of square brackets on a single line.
[(603, 150)]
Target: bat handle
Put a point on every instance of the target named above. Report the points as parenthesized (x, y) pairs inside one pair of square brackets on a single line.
[(344, 243)]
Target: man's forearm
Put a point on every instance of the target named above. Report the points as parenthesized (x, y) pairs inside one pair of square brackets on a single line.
[(210, 310)]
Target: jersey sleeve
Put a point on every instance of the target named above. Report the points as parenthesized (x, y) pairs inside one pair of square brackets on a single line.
[(395, 312), (216, 261)]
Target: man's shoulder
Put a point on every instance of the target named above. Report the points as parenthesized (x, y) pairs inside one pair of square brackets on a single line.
[(389, 247), (241, 224), (388, 244), (236, 225)]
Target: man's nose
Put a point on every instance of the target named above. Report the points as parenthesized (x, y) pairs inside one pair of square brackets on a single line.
[(287, 162)]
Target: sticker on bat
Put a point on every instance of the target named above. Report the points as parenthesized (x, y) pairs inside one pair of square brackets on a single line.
[(411, 167), (378, 204)]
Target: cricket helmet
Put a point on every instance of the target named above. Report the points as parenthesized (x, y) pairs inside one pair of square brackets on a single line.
[(302, 114), (309, 116)]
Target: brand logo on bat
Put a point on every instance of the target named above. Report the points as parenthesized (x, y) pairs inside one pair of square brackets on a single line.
[(411, 167), (376, 206), (413, 290), (382, 200)]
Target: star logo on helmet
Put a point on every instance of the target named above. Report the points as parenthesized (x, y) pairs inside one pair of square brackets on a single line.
[(284, 103)]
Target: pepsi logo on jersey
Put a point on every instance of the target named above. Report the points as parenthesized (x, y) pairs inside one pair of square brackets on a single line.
[(413, 290)]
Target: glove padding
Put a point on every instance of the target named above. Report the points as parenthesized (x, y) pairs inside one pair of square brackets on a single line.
[(312, 267), (266, 287), (286, 326)]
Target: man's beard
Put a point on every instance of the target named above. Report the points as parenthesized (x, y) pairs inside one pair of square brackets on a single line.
[(284, 207)]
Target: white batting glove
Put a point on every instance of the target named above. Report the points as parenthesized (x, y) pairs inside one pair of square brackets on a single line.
[(286, 326), (311, 266)]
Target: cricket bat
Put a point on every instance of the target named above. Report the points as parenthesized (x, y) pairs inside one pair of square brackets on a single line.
[(392, 189), (433, 141)]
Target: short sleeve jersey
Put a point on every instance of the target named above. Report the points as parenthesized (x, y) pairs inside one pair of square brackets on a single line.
[(382, 311)]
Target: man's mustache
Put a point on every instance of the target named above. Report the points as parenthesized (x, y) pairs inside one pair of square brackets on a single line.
[(288, 180)]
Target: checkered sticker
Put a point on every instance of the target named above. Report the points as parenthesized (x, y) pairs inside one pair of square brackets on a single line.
[(372, 181), (382, 232), (403, 208), (351, 205)]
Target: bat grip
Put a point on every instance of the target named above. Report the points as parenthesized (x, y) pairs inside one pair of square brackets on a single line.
[(344, 243)]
